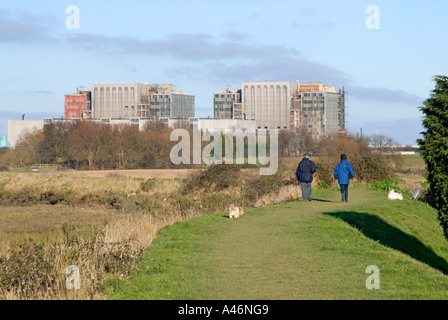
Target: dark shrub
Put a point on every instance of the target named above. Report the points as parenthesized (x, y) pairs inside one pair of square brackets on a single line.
[(215, 178)]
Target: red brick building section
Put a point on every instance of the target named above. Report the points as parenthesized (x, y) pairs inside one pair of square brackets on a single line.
[(78, 106)]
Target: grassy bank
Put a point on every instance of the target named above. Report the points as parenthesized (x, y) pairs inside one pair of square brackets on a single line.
[(296, 250)]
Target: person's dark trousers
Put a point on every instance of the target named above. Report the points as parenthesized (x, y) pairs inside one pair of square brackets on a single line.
[(344, 192), (306, 190)]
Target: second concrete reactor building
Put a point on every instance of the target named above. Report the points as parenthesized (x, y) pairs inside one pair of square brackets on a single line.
[(285, 105)]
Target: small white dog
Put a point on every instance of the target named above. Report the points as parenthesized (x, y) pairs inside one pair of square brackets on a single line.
[(394, 195), (235, 212)]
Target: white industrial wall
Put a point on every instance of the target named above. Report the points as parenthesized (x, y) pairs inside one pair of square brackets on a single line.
[(222, 124), (17, 128)]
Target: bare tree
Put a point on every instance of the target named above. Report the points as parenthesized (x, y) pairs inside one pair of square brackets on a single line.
[(383, 144), (156, 148), (89, 142), (302, 142), (125, 147), (155, 126), (284, 142), (55, 145), (26, 150)]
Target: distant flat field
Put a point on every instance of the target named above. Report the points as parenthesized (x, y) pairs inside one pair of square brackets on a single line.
[(414, 160), (161, 174), (138, 173)]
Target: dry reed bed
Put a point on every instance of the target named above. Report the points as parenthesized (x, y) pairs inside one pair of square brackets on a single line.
[(25, 188), (36, 269)]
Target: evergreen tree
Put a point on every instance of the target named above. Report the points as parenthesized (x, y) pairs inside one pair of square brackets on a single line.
[(434, 147)]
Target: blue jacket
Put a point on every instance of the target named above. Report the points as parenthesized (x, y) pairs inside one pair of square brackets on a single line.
[(341, 172), (305, 170)]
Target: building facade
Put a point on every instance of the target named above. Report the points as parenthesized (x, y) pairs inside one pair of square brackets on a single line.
[(222, 124), (167, 105), (17, 128), (268, 103), (117, 101), (319, 109), (78, 106), (285, 105), (224, 104)]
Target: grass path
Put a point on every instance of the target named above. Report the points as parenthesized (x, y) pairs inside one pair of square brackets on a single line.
[(296, 250)]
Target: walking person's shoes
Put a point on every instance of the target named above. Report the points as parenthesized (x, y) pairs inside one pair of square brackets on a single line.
[(342, 197), (309, 199)]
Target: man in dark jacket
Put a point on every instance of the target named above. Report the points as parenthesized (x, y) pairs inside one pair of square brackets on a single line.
[(305, 173)]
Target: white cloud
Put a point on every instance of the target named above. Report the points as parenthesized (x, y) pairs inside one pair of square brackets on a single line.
[(384, 95), (24, 27), (196, 47)]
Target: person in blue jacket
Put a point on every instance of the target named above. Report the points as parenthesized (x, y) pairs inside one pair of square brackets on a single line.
[(344, 173), (305, 173)]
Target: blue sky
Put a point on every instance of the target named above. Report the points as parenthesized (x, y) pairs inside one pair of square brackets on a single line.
[(203, 46)]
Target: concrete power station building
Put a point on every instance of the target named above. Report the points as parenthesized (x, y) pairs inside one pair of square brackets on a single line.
[(143, 101), (285, 105)]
